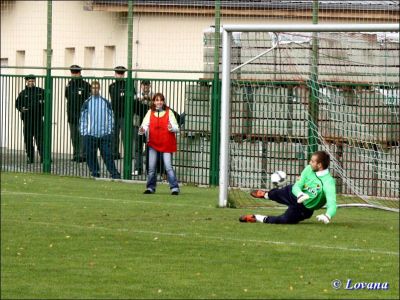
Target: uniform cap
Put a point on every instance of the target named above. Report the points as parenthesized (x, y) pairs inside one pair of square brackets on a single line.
[(75, 68), (120, 70), (30, 76)]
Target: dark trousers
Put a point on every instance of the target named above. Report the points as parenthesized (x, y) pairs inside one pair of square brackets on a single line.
[(33, 130), (294, 214), (76, 140), (119, 128), (138, 141), (92, 144)]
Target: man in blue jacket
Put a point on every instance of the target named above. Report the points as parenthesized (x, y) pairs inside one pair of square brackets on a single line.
[(96, 127)]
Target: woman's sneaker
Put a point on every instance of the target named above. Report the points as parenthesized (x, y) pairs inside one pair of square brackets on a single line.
[(175, 191)]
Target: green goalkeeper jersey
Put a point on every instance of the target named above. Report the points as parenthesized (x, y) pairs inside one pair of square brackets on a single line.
[(320, 187)]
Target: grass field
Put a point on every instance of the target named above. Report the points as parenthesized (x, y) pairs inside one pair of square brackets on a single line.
[(64, 237)]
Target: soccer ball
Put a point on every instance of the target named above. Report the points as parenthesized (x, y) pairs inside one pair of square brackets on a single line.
[(278, 178)]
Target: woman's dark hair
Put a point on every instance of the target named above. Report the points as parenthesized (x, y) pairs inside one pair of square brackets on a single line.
[(153, 105), (323, 158)]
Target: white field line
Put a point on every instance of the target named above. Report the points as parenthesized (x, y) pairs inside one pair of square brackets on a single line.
[(55, 196), (116, 200), (210, 237)]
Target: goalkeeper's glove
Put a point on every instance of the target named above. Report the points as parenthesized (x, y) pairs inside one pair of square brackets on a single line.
[(302, 197), (323, 218)]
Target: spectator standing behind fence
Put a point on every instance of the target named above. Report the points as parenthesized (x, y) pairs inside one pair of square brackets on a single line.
[(142, 104), (161, 127), (76, 92), (30, 104), (96, 127), (117, 92)]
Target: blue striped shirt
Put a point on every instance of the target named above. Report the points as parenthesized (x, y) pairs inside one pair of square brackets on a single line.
[(97, 118)]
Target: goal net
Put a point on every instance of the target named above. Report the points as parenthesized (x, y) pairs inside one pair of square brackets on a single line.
[(286, 94)]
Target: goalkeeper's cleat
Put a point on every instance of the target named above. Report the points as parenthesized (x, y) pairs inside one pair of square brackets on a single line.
[(247, 218), (258, 194)]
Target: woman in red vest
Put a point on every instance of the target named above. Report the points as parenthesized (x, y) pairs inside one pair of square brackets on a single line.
[(160, 127)]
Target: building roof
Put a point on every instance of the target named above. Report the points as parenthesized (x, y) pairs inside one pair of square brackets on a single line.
[(265, 4)]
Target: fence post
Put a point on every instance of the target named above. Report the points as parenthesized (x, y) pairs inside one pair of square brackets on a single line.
[(128, 101), (215, 102), (48, 96), (314, 93)]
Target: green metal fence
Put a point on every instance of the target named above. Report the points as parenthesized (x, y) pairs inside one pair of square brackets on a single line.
[(191, 99)]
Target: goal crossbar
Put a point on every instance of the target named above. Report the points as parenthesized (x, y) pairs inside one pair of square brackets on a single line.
[(227, 31), (310, 28)]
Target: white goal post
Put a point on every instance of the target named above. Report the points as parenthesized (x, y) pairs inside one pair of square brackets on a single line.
[(227, 31)]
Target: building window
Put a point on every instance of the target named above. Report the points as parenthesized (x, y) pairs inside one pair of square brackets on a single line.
[(4, 62), (109, 56), (20, 61), (69, 57), (88, 59)]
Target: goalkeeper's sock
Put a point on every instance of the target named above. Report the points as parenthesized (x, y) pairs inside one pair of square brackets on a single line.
[(261, 218)]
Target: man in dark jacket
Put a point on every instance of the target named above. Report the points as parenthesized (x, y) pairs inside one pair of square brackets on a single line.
[(30, 104), (141, 106), (117, 91), (76, 92)]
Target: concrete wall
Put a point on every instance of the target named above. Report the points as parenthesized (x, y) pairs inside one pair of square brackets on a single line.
[(160, 42)]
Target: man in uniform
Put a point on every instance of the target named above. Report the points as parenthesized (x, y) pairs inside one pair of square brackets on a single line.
[(76, 92), (117, 91), (141, 106), (30, 104)]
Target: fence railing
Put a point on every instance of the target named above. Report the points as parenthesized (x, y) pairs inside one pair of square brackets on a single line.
[(191, 99)]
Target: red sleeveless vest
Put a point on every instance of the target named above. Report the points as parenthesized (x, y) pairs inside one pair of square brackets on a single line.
[(160, 138)]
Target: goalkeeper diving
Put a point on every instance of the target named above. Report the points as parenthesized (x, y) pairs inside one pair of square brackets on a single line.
[(315, 188)]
